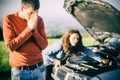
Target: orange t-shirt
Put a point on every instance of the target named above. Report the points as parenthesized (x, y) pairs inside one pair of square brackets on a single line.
[(25, 46)]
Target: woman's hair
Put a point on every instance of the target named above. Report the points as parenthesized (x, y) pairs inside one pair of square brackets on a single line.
[(68, 49), (35, 4)]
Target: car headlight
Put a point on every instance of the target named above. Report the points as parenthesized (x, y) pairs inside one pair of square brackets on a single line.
[(77, 77), (64, 73)]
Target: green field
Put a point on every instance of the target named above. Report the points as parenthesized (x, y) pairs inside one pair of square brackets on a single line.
[(5, 73), (4, 64), (4, 56)]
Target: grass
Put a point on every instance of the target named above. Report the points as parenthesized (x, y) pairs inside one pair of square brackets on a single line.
[(4, 56), (88, 41), (5, 72), (4, 65), (51, 40)]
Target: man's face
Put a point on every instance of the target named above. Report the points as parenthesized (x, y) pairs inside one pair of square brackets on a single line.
[(28, 12)]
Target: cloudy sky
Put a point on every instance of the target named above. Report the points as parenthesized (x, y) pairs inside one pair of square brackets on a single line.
[(48, 8), (52, 8)]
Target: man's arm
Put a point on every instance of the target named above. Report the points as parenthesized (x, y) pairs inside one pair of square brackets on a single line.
[(40, 35), (12, 41)]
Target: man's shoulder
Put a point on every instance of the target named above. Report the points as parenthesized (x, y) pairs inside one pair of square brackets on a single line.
[(40, 18), (10, 15)]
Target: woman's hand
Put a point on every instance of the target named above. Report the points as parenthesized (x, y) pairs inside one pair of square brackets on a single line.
[(57, 64), (105, 61)]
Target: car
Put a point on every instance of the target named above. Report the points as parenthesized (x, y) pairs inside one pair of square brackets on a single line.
[(101, 20)]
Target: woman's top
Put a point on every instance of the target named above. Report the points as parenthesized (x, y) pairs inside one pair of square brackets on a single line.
[(55, 52)]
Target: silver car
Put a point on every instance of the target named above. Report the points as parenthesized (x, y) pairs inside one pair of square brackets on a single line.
[(101, 18)]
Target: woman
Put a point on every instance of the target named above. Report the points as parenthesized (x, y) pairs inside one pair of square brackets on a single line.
[(69, 45)]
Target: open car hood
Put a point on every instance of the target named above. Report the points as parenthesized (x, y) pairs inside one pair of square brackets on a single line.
[(99, 18)]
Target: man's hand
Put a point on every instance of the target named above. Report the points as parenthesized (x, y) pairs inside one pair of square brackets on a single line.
[(32, 22)]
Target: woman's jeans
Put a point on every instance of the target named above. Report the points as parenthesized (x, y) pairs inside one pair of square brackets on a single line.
[(48, 71), (35, 74)]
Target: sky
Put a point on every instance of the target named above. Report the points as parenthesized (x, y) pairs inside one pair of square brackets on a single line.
[(50, 10)]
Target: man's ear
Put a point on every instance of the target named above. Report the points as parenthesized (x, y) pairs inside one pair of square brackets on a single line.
[(22, 7)]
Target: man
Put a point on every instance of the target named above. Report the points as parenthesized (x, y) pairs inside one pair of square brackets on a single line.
[(25, 38)]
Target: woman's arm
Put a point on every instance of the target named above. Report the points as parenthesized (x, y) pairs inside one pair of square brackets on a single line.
[(91, 54), (51, 52)]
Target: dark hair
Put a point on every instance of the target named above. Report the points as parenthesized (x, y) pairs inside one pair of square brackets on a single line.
[(35, 4), (66, 43)]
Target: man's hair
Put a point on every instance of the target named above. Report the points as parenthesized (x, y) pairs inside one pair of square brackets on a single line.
[(35, 4)]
